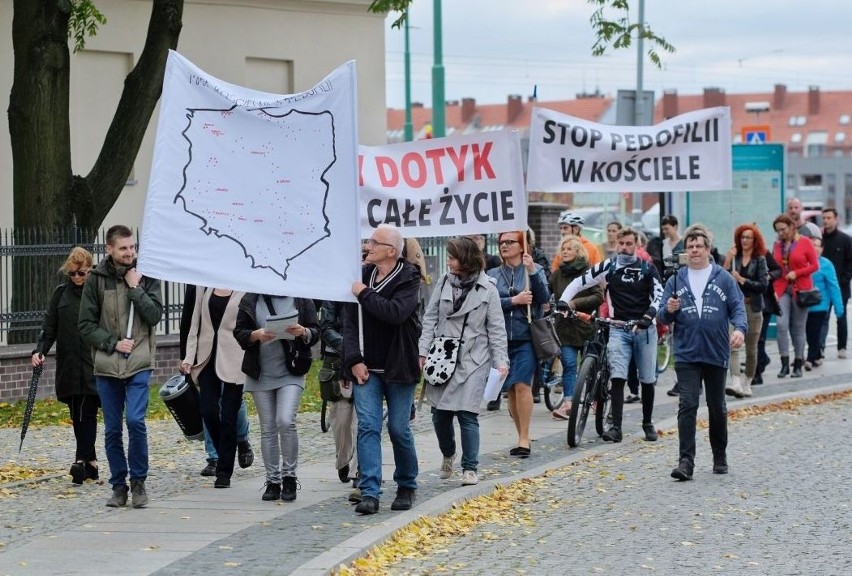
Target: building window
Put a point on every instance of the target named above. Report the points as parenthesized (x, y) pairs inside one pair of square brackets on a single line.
[(844, 119)]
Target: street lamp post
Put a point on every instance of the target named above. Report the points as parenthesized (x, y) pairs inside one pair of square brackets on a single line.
[(438, 99), (408, 129)]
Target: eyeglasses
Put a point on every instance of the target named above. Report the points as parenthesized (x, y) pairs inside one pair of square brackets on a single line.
[(508, 242), (375, 243), (780, 230), (79, 273)]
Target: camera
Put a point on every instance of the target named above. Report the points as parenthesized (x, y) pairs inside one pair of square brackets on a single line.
[(673, 263)]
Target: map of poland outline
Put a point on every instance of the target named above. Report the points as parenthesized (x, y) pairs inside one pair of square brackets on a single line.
[(258, 179)]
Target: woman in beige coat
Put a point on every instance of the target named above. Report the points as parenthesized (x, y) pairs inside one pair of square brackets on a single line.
[(214, 358), (466, 300)]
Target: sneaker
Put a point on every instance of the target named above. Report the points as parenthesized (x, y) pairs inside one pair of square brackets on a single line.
[(612, 435), (493, 405), (210, 469), (119, 497), (536, 398), (91, 471), (369, 505), (272, 492), (469, 478), (683, 471), (447, 467), (809, 365), (245, 455), (289, 485), (650, 432), (734, 387), (818, 362), (355, 495), (404, 499), (78, 472), (222, 481), (675, 391), (631, 399), (563, 411), (138, 495), (841, 353)]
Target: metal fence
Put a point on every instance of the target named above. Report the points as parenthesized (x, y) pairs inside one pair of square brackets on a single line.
[(29, 263), (30, 259)]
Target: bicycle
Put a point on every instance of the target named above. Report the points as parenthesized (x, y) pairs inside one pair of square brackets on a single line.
[(549, 382), (593, 384), (664, 347)]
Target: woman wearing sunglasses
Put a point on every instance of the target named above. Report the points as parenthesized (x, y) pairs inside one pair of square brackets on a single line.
[(75, 381)]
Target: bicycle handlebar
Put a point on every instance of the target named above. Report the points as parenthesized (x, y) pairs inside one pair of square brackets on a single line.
[(567, 312)]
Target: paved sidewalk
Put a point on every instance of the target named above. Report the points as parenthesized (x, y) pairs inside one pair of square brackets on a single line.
[(190, 528)]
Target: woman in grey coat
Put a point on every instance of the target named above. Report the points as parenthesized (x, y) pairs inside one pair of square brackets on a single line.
[(466, 299)]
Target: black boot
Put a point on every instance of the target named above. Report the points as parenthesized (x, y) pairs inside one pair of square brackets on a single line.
[(785, 366), (797, 368), (758, 379)]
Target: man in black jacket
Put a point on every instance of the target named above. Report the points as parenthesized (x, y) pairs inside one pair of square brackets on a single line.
[(387, 368), (837, 247)]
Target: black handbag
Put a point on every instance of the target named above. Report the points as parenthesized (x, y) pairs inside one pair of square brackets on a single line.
[(544, 339), (297, 354), (808, 298)]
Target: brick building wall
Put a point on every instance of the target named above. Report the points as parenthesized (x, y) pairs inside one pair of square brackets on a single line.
[(542, 219), (16, 370)]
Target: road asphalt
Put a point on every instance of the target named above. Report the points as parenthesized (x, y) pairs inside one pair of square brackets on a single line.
[(606, 508)]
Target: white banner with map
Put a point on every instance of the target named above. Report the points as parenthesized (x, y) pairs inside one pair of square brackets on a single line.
[(254, 191), (469, 184)]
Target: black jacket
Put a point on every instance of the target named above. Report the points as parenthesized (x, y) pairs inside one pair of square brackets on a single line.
[(74, 371), (390, 316), (247, 323), (837, 247)]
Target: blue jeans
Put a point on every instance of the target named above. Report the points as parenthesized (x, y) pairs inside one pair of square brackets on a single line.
[(242, 432), (116, 393), (569, 370), (369, 398), (442, 420), (641, 346)]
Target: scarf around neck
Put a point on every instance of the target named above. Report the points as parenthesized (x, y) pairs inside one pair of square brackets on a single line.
[(461, 288)]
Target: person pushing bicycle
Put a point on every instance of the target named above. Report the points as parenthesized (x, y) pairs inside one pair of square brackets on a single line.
[(633, 292)]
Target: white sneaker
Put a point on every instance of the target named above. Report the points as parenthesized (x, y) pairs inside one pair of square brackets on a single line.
[(735, 387), (841, 353), (469, 478), (447, 467)]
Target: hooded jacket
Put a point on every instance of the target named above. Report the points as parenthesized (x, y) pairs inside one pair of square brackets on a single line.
[(104, 313), (704, 339)]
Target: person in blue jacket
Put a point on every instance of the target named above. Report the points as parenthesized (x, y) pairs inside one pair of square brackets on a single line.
[(825, 279), (701, 300)]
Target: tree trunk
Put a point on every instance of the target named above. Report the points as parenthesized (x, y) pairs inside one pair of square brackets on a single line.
[(46, 193)]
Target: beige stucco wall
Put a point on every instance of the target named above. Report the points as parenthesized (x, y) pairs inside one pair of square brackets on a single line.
[(278, 46)]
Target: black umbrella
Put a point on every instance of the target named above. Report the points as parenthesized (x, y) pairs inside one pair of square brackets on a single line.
[(31, 396)]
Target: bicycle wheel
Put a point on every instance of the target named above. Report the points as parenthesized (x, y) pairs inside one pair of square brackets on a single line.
[(664, 352), (601, 405), (584, 396), (553, 392)]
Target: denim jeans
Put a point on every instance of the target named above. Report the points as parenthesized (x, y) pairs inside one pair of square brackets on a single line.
[(641, 346), (369, 398), (569, 370), (442, 420), (689, 378), (116, 393), (242, 433)]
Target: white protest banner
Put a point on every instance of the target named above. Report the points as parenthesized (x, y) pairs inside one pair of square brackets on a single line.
[(687, 153), (471, 184), (254, 191)]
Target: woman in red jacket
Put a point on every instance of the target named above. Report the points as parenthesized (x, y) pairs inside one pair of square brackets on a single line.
[(798, 260)]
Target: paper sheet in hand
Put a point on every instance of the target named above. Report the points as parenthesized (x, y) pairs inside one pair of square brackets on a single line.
[(493, 385), (279, 325)]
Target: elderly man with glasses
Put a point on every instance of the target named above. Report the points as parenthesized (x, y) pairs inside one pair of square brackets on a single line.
[(384, 365)]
